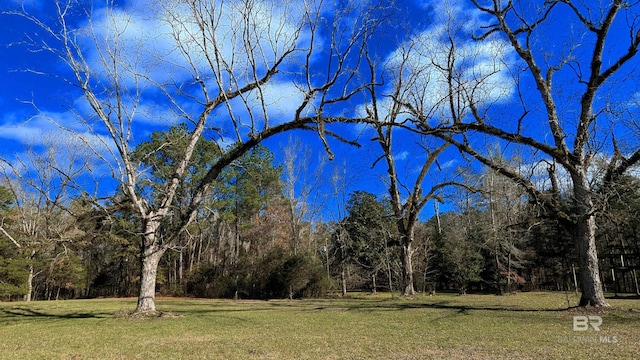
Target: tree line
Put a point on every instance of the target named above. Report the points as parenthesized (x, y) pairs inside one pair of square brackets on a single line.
[(244, 244)]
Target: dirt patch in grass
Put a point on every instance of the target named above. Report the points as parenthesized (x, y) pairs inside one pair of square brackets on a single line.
[(131, 315)]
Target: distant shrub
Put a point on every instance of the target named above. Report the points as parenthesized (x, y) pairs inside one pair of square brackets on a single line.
[(276, 275)]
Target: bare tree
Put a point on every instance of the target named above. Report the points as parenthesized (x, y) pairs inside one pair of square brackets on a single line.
[(340, 181), (43, 185), (302, 189), (421, 74), (238, 72), (507, 222), (570, 118), (406, 209)]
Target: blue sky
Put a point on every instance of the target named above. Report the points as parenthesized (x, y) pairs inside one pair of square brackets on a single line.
[(33, 102), (28, 87)]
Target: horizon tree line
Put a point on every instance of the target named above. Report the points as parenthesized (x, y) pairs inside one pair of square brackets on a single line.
[(493, 240)]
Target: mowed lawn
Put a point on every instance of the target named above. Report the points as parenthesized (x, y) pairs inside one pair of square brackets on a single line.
[(445, 326)]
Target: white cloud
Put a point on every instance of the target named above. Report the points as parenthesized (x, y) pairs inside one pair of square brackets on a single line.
[(163, 57), (49, 142), (58, 131), (449, 164), (35, 130), (28, 4), (158, 49), (402, 156), (280, 99), (479, 70), (276, 102), (163, 41), (421, 63)]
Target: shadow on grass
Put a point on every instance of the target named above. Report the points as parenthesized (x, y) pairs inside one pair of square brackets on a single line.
[(624, 297), (351, 304), (441, 305), (16, 314), (462, 306), (180, 307)]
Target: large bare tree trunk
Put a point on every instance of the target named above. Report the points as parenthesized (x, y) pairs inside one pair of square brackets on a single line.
[(592, 292), (150, 258), (29, 295), (149, 271), (407, 273), (180, 269), (343, 280)]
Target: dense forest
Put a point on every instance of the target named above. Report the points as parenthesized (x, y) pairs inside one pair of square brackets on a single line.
[(250, 240)]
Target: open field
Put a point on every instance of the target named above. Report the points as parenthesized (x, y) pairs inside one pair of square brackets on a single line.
[(445, 326)]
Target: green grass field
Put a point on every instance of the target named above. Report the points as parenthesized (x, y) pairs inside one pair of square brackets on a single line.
[(445, 326)]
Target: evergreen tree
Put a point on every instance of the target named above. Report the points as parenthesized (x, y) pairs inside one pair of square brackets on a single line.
[(368, 231)]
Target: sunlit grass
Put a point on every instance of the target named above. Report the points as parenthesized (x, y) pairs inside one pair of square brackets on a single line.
[(525, 325)]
